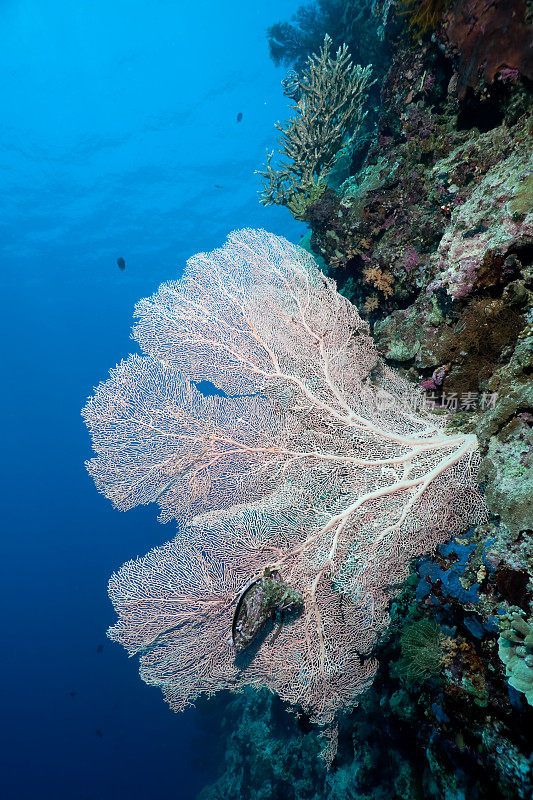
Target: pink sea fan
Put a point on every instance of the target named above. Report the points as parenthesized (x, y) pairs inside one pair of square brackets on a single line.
[(313, 460)]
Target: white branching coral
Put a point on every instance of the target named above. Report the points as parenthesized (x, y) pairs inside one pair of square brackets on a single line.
[(310, 461), (327, 117)]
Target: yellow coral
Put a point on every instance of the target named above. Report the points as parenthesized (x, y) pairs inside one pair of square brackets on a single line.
[(382, 280), (370, 304), (424, 15)]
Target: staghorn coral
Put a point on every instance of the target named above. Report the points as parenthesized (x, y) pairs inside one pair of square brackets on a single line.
[(327, 117), (312, 462)]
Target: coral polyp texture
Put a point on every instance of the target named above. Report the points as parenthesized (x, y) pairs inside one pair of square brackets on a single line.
[(309, 460)]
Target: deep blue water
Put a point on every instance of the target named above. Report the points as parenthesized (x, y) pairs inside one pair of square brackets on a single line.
[(118, 125)]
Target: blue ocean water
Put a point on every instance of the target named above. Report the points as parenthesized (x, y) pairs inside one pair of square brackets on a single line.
[(119, 139)]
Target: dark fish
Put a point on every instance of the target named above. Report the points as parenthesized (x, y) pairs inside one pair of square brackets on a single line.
[(99, 648), (239, 116), (121, 263), (474, 231), (99, 733), (217, 186), (73, 693)]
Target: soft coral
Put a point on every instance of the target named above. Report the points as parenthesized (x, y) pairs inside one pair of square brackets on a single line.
[(424, 15)]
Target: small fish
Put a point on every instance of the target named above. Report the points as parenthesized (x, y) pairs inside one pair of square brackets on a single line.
[(99, 733), (99, 648), (474, 231), (121, 263), (239, 116)]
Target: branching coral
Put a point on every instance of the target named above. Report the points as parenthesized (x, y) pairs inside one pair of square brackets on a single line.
[(291, 43), (327, 117)]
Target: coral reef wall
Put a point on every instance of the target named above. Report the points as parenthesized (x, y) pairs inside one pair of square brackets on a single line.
[(431, 236)]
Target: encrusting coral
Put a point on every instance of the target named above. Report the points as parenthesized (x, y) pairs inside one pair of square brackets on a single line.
[(487, 38)]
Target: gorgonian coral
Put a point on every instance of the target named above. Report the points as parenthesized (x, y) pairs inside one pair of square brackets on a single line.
[(313, 475)]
